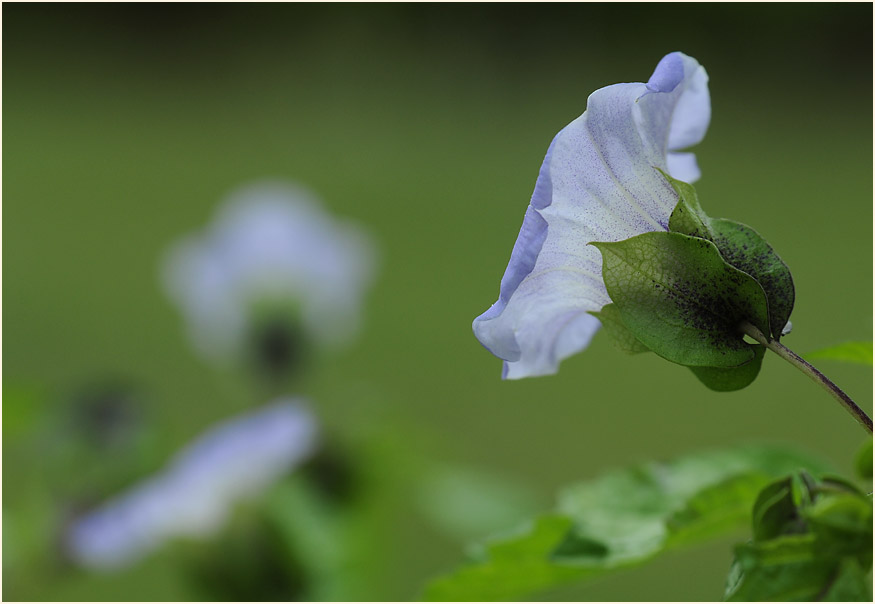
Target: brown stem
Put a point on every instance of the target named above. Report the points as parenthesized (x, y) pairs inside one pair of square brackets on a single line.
[(812, 372)]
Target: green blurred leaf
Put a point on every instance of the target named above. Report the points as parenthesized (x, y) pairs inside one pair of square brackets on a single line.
[(621, 519), (315, 536), (246, 560), (677, 295), (717, 509), (863, 461), (851, 584), (729, 379), (812, 540), (791, 568), (511, 566), (850, 352), (783, 549), (576, 548), (780, 569), (470, 504), (620, 335), (774, 512), (842, 524), (836, 484), (742, 247)]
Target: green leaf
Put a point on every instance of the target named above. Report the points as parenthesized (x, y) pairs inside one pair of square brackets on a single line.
[(716, 509), (619, 520), (784, 549), (728, 379), (863, 461), (794, 568), (620, 335), (319, 538), (513, 566), (680, 299), (842, 524), (851, 584), (780, 569), (850, 352), (578, 549), (774, 510), (812, 540), (742, 247), (466, 503), (836, 484)]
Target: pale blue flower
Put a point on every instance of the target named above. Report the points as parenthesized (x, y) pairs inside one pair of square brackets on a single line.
[(599, 182), (270, 244), (196, 493)]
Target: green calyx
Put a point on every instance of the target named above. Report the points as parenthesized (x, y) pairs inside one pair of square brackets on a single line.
[(684, 294), (741, 247)]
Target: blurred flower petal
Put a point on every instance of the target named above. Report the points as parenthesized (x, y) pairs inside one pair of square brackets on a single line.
[(270, 242), (598, 182), (196, 493)]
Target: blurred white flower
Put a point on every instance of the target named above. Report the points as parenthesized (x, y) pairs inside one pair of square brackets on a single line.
[(271, 244), (194, 496)]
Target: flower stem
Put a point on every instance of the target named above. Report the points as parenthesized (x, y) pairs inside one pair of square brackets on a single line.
[(812, 372)]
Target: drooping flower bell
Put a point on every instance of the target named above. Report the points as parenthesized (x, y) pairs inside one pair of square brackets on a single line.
[(600, 181), (195, 494), (273, 268)]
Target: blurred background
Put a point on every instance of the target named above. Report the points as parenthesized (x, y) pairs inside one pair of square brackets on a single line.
[(125, 126)]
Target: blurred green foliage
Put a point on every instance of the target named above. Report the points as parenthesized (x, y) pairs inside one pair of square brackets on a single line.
[(849, 352), (623, 518), (125, 124), (812, 541)]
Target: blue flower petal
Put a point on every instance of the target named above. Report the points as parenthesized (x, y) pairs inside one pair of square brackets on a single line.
[(271, 242), (692, 111), (522, 261), (668, 74), (195, 495), (683, 166), (598, 183)]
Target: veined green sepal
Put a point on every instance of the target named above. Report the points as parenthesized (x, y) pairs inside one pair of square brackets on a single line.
[(742, 247), (620, 335), (677, 295)]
